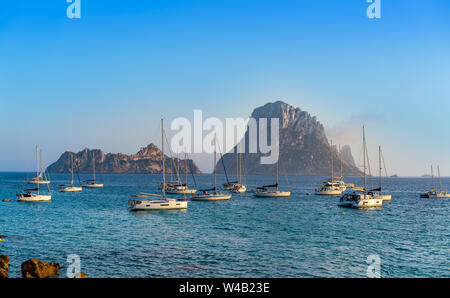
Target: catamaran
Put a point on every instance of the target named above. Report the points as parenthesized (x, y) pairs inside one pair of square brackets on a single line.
[(41, 177), (358, 200), (331, 187), (272, 191), (70, 187), (378, 193), (91, 183), (211, 194), (163, 202)]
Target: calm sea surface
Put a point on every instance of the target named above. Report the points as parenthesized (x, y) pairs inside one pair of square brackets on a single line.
[(302, 236)]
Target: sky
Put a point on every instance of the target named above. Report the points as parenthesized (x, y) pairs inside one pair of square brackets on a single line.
[(105, 80)]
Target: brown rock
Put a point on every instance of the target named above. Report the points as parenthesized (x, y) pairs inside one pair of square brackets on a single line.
[(81, 275), (34, 268), (4, 267)]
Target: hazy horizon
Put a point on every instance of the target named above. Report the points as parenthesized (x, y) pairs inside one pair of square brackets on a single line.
[(105, 80)]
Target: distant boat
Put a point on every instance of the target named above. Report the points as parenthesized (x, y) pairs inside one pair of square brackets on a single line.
[(163, 203), (41, 177), (211, 194), (332, 187), (358, 200), (272, 191), (70, 187), (91, 183), (432, 193), (177, 187), (34, 194), (441, 193), (238, 186), (378, 193)]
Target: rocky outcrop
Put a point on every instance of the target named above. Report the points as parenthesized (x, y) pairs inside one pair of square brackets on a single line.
[(4, 266), (35, 268), (147, 161), (81, 275), (304, 147)]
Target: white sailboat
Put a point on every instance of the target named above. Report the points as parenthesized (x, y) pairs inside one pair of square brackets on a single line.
[(441, 193), (272, 191), (378, 193), (211, 194), (239, 186), (91, 183), (41, 177), (176, 187), (331, 187), (432, 192), (35, 195), (358, 200), (71, 187), (163, 203)]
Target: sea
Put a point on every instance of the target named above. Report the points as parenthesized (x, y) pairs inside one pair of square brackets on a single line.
[(246, 237)]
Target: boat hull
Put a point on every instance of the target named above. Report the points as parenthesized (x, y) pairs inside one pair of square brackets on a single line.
[(211, 197), (158, 205), (71, 189), (93, 185), (368, 203), (35, 198), (329, 192), (384, 198), (181, 192), (273, 194), (39, 182)]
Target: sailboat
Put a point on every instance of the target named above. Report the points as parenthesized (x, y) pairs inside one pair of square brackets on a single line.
[(331, 187), (163, 203), (358, 200), (176, 187), (71, 187), (441, 193), (238, 186), (211, 194), (432, 192), (91, 183), (378, 193), (34, 194), (41, 177), (272, 191)]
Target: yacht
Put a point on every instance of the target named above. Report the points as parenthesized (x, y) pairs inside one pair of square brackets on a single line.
[(176, 187), (357, 200), (70, 187), (34, 194), (211, 194), (441, 193), (378, 193), (41, 177), (161, 202), (331, 187), (272, 191), (92, 183)]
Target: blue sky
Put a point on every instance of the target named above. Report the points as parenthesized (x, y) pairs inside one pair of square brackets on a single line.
[(105, 80)]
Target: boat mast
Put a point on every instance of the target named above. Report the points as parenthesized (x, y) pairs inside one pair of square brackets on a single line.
[(364, 149), (379, 160), (72, 168), (215, 182), (37, 161), (185, 168), (163, 161), (237, 164), (278, 162), (440, 181), (332, 170), (93, 166), (340, 158), (432, 177)]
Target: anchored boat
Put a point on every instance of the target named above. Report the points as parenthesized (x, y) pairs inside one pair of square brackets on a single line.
[(91, 183), (331, 187), (163, 202), (70, 187), (41, 176)]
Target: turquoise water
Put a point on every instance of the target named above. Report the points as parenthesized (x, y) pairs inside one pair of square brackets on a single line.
[(302, 236)]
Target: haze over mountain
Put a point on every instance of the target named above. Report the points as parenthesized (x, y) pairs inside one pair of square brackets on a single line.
[(304, 147), (147, 161)]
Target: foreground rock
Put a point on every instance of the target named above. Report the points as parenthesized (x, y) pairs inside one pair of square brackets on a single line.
[(34, 268), (4, 266)]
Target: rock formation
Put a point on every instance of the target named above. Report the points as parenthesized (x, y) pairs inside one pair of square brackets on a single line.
[(4, 266), (34, 268), (304, 147), (147, 161)]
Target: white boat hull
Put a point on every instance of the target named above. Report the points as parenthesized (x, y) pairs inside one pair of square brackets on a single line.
[(240, 189), (35, 198), (71, 189), (93, 185), (273, 194), (384, 198), (329, 192), (158, 205), (38, 182), (181, 192), (440, 195), (364, 202), (218, 197)]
